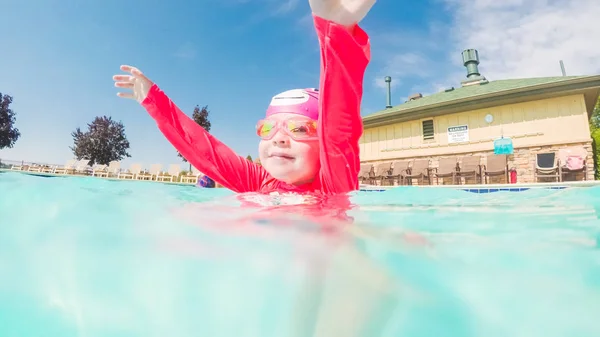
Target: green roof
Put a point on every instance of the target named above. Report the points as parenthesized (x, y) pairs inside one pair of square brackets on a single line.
[(473, 91)]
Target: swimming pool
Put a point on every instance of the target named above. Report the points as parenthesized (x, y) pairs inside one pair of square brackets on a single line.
[(93, 257)]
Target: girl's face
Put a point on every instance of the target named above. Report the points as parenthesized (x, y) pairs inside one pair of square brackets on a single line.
[(289, 148)]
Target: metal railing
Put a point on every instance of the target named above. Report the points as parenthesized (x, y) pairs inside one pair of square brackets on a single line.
[(60, 169), (8, 163)]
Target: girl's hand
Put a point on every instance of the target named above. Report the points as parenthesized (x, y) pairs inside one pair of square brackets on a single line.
[(344, 12), (136, 81)]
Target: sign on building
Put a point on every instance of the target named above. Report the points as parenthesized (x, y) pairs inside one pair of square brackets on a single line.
[(458, 134), (503, 145)]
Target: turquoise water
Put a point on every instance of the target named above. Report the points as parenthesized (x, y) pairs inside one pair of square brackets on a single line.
[(91, 257)]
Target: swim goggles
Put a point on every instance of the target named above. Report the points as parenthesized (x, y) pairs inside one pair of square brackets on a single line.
[(297, 129)]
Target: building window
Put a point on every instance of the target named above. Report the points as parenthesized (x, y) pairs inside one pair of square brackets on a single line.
[(428, 132)]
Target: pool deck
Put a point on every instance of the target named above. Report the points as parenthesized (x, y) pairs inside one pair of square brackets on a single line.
[(489, 188), (475, 188)]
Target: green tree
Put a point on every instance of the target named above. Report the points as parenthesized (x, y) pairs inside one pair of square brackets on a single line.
[(103, 142), (9, 134), (249, 158), (595, 120), (200, 116)]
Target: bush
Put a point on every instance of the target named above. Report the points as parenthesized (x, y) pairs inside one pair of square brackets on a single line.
[(596, 150)]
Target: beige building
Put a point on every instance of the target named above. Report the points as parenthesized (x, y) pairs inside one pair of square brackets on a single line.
[(538, 114)]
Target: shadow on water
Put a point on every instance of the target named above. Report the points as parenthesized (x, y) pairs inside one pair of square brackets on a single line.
[(86, 257)]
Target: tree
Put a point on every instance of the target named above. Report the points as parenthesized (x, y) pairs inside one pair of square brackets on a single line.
[(595, 120), (105, 141), (9, 134), (249, 158), (595, 133), (200, 116)]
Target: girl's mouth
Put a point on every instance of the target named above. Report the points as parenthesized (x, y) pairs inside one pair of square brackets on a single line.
[(280, 156)]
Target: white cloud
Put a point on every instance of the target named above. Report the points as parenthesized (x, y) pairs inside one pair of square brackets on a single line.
[(515, 39), (409, 56), (403, 65), (264, 10), (284, 6), (272, 7), (527, 38), (306, 21), (186, 51)]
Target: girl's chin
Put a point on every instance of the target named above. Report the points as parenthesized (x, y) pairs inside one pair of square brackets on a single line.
[(283, 173)]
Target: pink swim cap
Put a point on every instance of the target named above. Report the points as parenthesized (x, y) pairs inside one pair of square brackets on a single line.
[(303, 102)]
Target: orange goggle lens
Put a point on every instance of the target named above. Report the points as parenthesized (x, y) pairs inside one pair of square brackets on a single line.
[(297, 129)]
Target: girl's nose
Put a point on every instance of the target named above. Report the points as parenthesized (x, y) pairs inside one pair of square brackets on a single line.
[(280, 138)]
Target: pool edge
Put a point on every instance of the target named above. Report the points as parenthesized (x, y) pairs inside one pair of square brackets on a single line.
[(477, 188)]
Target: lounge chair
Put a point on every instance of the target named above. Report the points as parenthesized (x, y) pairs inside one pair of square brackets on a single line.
[(151, 174), (192, 176), (368, 175), (447, 168), (83, 167), (573, 160), (547, 166), (35, 168), (399, 169), (99, 171), (113, 169), (496, 165), (68, 168), (418, 170), (49, 168), (470, 166), (382, 172), (172, 174), (365, 173), (134, 170)]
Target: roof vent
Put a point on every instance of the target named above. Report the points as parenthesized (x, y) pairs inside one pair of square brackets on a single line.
[(415, 97), (449, 89), (471, 62), (388, 83)]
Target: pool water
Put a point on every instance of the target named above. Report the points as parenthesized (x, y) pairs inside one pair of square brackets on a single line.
[(92, 257)]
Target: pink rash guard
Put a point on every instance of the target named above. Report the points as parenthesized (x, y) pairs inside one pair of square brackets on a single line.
[(345, 53)]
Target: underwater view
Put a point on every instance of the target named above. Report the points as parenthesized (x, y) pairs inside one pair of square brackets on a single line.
[(92, 257)]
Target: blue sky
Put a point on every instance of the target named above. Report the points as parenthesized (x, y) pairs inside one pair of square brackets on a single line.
[(58, 58)]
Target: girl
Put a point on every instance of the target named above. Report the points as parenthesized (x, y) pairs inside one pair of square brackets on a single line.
[(308, 138)]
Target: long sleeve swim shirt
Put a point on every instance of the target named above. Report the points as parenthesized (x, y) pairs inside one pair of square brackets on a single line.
[(345, 54)]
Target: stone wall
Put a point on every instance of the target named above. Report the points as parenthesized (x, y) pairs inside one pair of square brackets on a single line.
[(523, 160)]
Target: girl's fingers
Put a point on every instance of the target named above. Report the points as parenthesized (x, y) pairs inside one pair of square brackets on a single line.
[(135, 72), (126, 68), (138, 74), (126, 95), (136, 82), (124, 84), (123, 78), (132, 70)]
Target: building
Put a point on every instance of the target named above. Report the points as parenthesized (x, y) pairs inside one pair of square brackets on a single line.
[(537, 114)]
